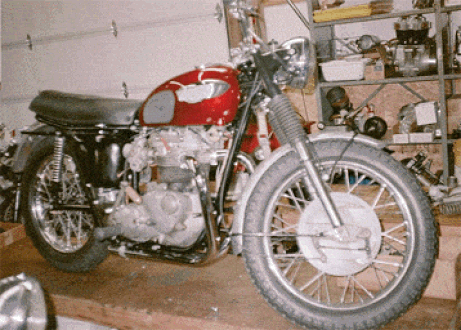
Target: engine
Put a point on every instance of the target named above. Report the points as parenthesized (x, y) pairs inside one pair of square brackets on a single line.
[(168, 210), (414, 54)]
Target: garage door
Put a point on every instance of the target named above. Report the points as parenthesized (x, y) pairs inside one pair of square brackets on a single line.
[(107, 48)]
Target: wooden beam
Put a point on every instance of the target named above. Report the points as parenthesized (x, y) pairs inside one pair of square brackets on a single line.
[(125, 318), (12, 232)]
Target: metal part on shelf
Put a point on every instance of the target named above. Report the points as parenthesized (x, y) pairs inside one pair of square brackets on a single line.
[(421, 4), (458, 46), (339, 100), (414, 53), (420, 165), (367, 42), (446, 196)]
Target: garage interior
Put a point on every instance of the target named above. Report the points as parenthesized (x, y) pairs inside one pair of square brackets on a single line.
[(45, 47)]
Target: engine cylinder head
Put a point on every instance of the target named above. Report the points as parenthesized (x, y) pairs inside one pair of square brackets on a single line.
[(412, 30), (172, 174)]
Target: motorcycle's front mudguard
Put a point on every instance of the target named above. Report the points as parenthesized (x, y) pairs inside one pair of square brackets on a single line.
[(239, 214)]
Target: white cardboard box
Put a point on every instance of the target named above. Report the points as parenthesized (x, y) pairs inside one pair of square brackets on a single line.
[(421, 137), (452, 2), (401, 138), (426, 113)]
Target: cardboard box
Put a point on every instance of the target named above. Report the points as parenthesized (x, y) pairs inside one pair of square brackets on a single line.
[(375, 71), (13, 233), (421, 137), (426, 113), (401, 138), (452, 2)]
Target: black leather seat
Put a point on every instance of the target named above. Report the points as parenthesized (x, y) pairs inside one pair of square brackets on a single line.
[(84, 110)]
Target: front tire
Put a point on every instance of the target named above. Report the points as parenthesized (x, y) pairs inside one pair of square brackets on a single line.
[(320, 282), (64, 238)]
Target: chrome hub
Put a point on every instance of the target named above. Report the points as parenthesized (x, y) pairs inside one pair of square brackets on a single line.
[(342, 252)]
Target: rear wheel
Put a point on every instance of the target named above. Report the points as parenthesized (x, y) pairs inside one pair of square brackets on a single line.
[(319, 281), (64, 238)]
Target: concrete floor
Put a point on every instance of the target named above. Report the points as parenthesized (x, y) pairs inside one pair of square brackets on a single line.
[(139, 293)]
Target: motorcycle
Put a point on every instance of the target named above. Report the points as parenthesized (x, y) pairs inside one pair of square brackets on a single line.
[(334, 232), (9, 203)]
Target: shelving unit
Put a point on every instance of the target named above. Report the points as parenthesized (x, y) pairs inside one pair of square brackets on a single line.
[(440, 12)]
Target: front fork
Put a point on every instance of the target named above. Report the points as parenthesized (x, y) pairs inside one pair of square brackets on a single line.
[(315, 180), (296, 136), (288, 127)]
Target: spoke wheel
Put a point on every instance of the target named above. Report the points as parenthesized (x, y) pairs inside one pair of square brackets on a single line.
[(64, 231), (316, 278), (321, 268), (64, 238)]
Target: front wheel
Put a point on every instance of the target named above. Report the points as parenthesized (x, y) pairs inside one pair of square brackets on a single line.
[(319, 281), (63, 237)]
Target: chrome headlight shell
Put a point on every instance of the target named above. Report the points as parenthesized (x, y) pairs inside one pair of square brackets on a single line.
[(298, 56)]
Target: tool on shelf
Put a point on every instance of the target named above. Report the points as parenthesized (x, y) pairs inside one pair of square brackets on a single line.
[(447, 197), (361, 120), (422, 4), (458, 47)]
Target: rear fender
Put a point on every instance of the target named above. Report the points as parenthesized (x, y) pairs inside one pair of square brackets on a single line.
[(239, 214), (33, 137)]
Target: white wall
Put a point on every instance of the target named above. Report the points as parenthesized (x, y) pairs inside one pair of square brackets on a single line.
[(0, 48), (282, 23), (74, 50)]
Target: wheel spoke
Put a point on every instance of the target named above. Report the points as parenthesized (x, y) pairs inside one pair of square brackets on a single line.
[(378, 196), (294, 199), (389, 263), (311, 281), (393, 239), (363, 288), (293, 256), (280, 227)]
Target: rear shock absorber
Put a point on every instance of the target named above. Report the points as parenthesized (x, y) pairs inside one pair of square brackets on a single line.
[(58, 157)]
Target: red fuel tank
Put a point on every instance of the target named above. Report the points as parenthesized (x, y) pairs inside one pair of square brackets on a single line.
[(205, 96)]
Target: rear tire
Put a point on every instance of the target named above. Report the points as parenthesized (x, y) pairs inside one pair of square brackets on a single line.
[(64, 238), (319, 282)]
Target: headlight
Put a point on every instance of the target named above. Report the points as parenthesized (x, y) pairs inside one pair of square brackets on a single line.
[(298, 56)]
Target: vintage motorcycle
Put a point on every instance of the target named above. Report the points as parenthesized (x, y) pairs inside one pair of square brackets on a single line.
[(334, 232), (9, 197)]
